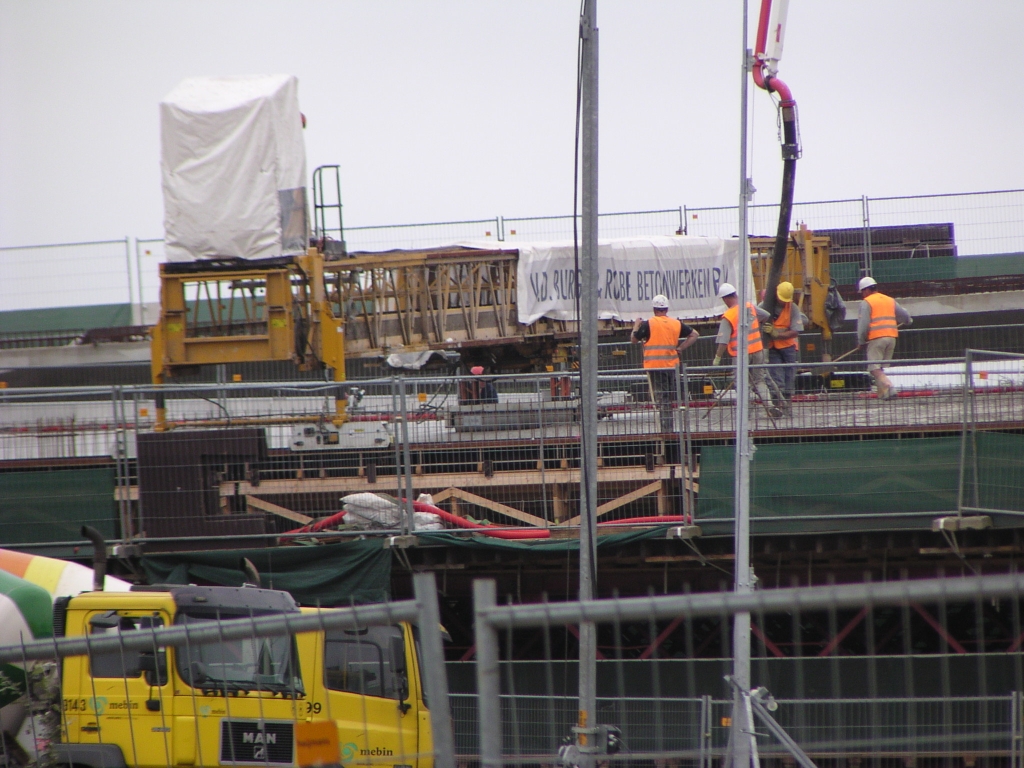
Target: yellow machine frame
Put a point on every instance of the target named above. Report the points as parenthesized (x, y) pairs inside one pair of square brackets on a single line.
[(246, 314), (806, 267)]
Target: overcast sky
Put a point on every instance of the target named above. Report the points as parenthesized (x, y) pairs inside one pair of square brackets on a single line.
[(455, 110)]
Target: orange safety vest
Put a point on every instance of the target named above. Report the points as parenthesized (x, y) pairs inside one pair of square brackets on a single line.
[(782, 323), (883, 316), (661, 349), (753, 338)]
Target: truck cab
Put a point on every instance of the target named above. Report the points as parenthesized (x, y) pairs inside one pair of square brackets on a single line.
[(235, 702)]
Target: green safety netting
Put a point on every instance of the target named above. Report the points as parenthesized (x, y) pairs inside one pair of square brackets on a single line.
[(327, 575), (477, 541), (40, 507), (882, 483)]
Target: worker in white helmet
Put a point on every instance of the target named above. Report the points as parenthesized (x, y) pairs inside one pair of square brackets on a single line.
[(782, 331), (663, 338), (728, 331), (877, 328)]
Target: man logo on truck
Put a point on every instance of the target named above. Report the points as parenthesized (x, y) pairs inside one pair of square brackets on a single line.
[(258, 737)]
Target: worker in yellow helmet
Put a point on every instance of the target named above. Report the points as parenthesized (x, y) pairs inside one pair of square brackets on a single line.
[(728, 341), (663, 338), (782, 330), (877, 328)]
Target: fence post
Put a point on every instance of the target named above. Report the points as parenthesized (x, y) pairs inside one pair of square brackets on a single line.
[(121, 463), (128, 270), (488, 681), (968, 378), (409, 525), (866, 215), (140, 518), (705, 732), (435, 675)]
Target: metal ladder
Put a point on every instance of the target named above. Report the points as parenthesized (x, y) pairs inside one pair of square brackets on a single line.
[(332, 237)]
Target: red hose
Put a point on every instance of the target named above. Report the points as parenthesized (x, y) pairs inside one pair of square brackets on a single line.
[(487, 530)]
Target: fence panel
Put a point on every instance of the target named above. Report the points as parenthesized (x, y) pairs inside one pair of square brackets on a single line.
[(514, 727), (504, 449), (414, 236), (65, 275)]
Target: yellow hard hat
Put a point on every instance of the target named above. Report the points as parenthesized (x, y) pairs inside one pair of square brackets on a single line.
[(785, 291)]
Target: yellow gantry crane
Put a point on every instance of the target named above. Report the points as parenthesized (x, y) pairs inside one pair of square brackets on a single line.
[(222, 312)]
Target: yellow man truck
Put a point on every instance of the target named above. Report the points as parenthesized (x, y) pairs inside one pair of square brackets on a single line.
[(233, 701)]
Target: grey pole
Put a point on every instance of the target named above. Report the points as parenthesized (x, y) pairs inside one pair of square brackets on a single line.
[(741, 726), (488, 681), (408, 523), (588, 360), (435, 676)]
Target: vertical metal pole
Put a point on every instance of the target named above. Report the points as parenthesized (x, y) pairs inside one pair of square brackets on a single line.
[(968, 377), (543, 478), (588, 360), (742, 727), (972, 392), (128, 270), (684, 434), (120, 462), (435, 676), (396, 418), (488, 680), (141, 319), (140, 516), (407, 518), (866, 217)]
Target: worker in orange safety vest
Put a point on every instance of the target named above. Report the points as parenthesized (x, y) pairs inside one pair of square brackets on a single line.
[(663, 338), (782, 331), (728, 330), (877, 328)]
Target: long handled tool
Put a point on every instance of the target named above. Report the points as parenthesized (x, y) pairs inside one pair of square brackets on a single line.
[(729, 385)]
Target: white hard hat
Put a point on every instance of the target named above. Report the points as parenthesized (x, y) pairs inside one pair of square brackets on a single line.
[(866, 282), (660, 302), (726, 289)]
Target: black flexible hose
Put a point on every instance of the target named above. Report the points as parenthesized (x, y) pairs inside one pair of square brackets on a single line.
[(790, 152)]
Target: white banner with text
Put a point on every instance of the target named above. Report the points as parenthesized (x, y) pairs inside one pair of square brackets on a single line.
[(632, 271)]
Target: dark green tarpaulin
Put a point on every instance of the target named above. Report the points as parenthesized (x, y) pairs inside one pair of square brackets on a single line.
[(825, 479), (888, 482), (476, 541), (1000, 471), (328, 575), (39, 507), (66, 318)]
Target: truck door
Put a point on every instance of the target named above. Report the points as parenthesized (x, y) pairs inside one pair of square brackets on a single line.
[(123, 697), (367, 676)]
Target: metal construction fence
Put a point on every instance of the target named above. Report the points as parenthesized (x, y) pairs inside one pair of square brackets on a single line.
[(124, 271), (263, 459), (697, 729), (508, 726)]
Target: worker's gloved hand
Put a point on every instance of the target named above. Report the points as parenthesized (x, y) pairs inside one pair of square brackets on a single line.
[(717, 360), (769, 330)]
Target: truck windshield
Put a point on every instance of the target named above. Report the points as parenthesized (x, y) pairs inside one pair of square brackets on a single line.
[(250, 664)]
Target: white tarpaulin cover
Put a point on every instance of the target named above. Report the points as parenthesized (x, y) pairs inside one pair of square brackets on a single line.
[(631, 272), (233, 162)]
